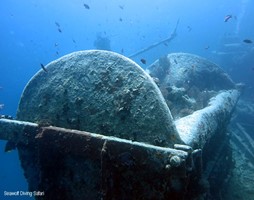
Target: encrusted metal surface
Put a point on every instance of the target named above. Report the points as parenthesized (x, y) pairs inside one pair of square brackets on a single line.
[(197, 129), (186, 70), (188, 81), (100, 92), (103, 92)]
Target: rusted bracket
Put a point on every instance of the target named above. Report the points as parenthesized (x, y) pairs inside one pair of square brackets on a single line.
[(82, 165)]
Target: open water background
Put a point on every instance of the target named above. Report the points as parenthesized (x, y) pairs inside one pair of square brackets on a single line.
[(30, 35)]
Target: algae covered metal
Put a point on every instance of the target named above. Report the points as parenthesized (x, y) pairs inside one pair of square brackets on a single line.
[(100, 92), (95, 125)]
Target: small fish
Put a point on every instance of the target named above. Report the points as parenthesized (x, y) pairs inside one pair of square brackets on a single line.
[(189, 28), (185, 70), (120, 19), (43, 67), (121, 7), (86, 6), (56, 44), (6, 117), (175, 61), (227, 17), (57, 24), (59, 30), (143, 60), (193, 68), (248, 41), (207, 47), (74, 41)]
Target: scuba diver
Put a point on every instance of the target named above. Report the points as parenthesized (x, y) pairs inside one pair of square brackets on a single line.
[(102, 42)]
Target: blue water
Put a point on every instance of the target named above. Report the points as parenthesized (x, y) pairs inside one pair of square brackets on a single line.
[(30, 36)]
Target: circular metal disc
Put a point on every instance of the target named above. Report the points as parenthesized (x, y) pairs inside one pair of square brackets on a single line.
[(100, 92)]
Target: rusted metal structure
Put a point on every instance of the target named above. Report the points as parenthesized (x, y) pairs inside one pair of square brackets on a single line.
[(157, 155)]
